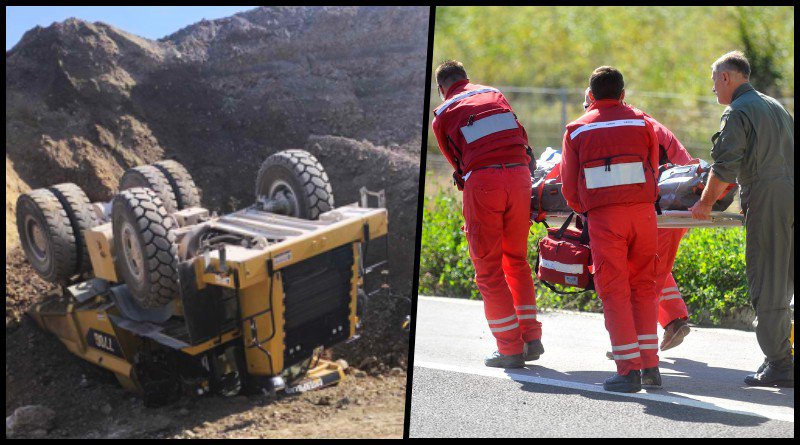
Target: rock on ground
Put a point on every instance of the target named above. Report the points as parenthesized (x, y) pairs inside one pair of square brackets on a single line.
[(33, 420)]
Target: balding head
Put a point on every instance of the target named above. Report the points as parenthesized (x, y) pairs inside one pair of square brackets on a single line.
[(734, 61), (728, 73)]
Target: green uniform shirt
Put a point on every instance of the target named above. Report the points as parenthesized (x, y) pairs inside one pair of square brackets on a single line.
[(755, 141)]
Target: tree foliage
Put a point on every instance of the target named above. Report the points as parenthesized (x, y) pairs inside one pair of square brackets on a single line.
[(668, 49)]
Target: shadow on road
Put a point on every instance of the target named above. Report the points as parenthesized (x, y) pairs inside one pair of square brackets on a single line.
[(685, 377), (729, 383), (660, 409)]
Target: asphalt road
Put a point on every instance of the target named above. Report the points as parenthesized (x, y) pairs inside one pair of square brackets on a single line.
[(561, 394)]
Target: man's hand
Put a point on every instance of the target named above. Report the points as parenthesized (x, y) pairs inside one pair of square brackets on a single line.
[(713, 191), (701, 211)]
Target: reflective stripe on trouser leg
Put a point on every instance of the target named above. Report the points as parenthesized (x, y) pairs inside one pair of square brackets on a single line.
[(647, 344), (516, 224), (642, 260), (610, 228), (625, 352), (483, 222), (670, 304)]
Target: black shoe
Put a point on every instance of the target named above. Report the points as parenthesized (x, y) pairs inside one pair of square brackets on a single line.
[(532, 350), (651, 377), (498, 360), (779, 374), (763, 366), (624, 383)]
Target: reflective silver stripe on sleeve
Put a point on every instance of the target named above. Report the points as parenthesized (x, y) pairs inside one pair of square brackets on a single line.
[(647, 346), (670, 289), (525, 308), (505, 328), (609, 124), (669, 297), (561, 267), (624, 347), (489, 125), (648, 337), (627, 356), (503, 320), (614, 174), (464, 95), (527, 317)]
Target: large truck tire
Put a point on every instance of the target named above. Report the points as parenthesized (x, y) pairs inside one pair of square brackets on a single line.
[(144, 246), (186, 192), (297, 176), (151, 177), (81, 216), (46, 236)]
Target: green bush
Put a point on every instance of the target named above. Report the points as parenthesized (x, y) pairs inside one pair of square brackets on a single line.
[(709, 267), (710, 271)]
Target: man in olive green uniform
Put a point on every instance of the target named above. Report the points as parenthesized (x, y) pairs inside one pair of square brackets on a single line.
[(755, 147)]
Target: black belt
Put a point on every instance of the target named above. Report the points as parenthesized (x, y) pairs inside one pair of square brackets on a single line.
[(516, 164)]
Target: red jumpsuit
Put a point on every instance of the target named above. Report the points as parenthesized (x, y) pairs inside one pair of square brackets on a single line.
[(670, 305), (477, 130), (609, 170)]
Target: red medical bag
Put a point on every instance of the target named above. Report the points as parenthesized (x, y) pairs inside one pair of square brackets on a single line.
[(564, 258)]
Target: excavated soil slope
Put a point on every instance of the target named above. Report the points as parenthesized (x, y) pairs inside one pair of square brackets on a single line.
[(85, 101)]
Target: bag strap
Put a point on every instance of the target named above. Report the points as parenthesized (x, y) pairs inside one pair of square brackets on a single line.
[(553, 288), (585, 231), (457, 155), (560, 233)]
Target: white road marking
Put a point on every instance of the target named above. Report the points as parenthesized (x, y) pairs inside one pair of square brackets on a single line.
[(479, 303), (464, 301), (710, 403)]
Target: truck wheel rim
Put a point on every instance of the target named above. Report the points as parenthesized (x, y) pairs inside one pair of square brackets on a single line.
[(132, 251), (37, 238), (280, 189)]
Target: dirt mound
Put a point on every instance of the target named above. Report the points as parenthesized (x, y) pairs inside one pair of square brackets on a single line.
[(85, 101)]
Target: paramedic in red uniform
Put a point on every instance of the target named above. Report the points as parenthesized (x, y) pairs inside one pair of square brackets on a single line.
[(609, 166), (479, 135), (673, 315)]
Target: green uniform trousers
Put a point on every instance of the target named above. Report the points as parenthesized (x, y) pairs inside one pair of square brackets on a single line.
[(769, 222)]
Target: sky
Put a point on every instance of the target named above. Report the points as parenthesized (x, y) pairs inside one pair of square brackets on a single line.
[(152, 22)]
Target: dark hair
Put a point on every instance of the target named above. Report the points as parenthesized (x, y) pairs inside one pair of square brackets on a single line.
[(450, 71), (732, 61), (606, 83)]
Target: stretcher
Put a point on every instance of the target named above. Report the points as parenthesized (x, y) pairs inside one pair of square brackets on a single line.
[(672, 219)]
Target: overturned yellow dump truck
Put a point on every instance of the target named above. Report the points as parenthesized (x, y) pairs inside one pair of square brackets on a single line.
[(175, 299)]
